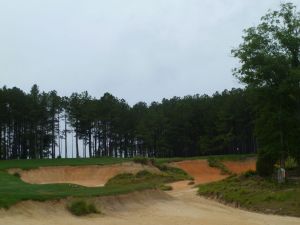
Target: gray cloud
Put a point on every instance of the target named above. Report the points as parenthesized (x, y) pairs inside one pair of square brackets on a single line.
[(137, 50)]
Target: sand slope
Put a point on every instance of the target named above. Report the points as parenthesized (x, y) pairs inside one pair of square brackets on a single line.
[(200, 170), (146, 208), (179, 207), (239, 167), (89, 176)]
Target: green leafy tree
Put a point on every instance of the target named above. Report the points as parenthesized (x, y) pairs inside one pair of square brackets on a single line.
[(269, 57)]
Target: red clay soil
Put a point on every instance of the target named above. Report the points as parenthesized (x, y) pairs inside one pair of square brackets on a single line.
[(200, 170), (239, 167)]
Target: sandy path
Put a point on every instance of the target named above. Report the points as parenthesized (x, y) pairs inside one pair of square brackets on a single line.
[(185, 208)]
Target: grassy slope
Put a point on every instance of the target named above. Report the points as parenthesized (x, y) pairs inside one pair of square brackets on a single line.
[(219, 157), (35, 163), (256, 194), (13, 189)]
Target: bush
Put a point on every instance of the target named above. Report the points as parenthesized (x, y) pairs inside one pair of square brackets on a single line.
[(265, 164), (250, 173), (81, 208), (143, 174), (291, 163), (124, 178), (16, 174), (166, 188)]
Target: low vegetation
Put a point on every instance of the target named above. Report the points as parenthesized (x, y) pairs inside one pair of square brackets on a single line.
[(214, 162), (145, 177), (144, 160), (82, 208), (253, 192), (166, 187), (35, 163), (15, 190)]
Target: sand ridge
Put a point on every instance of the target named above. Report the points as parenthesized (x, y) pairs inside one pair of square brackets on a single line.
[(142, 208), (89, 176)]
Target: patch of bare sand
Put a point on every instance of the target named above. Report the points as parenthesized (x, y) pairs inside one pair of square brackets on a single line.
[(200, 170), (89, 176), (144, 208), (239, 167)]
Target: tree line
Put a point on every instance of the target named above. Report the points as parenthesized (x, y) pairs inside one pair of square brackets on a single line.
[(263, 117), (38, 125)]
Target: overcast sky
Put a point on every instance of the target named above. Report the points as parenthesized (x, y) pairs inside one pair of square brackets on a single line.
[(139, 50)]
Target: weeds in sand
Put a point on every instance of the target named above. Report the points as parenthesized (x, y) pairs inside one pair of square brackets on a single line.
[(144, 160), (191, 183), (166, 188), (214, 162), (82, 208)]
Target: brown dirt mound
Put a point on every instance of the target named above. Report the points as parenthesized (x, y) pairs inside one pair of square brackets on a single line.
[(200, 170), (239, 167), (89, 176)]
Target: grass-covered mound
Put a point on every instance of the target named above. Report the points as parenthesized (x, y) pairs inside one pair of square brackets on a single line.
[(255, 193), (35, 163), (13, 189), (82, 208), (216, 163)]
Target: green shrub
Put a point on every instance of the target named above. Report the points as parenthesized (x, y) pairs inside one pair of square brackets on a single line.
[(249, 173), (166, 188), (143, 174), (124, 178), (265, 164), (16, 174), (291, 163), (81, 208)]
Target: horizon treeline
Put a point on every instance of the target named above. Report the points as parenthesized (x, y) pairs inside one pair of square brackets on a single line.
[(34, 125)]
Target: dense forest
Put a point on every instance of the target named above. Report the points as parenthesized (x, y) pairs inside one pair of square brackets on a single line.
[(33, 125)]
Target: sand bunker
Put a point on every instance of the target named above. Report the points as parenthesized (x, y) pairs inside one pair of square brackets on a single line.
[(150, 207), (144, 208), (200, 170), (239, 167), (89, 176)]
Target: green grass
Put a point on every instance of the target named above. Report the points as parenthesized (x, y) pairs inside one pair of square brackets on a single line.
[(219, 157), (13, 189), (257, 194), (215, 162), (82, 208), (35, 163)]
